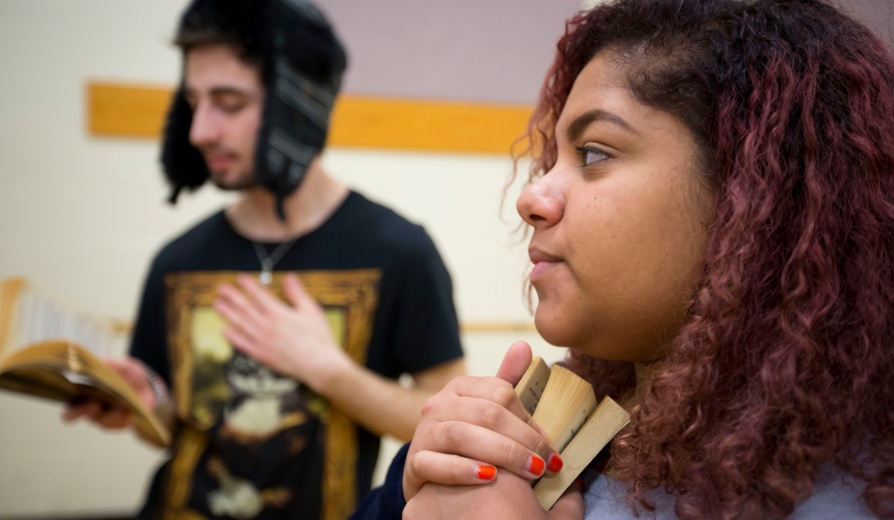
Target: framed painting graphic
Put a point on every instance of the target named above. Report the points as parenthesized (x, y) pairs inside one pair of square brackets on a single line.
[(201, 358)]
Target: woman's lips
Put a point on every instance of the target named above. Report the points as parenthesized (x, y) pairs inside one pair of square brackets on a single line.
[(539, 269), (542, 262)]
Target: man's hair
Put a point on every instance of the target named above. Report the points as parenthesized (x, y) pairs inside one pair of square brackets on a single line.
[(785, 361), (247, 26)]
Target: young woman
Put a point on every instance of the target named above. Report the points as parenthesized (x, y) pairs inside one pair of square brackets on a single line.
[(712, 216)]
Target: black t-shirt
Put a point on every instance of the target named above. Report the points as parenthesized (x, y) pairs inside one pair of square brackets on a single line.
[(250, 443)]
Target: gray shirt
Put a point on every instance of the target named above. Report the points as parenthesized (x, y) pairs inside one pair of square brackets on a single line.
[(836, 496)]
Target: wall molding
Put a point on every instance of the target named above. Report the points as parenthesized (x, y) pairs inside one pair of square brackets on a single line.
[(123, 327)]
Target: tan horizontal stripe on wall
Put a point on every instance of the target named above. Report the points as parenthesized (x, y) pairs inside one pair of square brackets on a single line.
[(119, 110), (115, 110), (496, 327)]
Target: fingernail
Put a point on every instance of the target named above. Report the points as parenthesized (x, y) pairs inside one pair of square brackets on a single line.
[(536, 465), (579, 482), (555, 463), (486, 472)]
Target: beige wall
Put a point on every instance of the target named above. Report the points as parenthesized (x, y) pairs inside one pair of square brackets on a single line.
[(81, 216)]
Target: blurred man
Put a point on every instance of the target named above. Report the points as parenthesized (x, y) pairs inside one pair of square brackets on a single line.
[(270, 335)]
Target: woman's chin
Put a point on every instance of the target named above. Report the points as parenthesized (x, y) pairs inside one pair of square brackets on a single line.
[(552, 332)]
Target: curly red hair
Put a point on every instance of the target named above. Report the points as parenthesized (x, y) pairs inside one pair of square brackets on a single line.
[(785, 361)]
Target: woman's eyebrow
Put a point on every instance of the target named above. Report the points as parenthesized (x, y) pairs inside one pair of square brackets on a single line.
[(582, 121)]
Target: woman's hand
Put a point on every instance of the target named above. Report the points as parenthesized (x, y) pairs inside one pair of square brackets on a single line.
[(476, 425), (509, 498)]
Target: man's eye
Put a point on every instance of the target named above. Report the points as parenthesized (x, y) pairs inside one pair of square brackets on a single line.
[(229, 103), (231, 107), (589, 155)]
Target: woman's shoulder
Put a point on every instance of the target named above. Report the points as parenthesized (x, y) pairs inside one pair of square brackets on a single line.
[(837, 495), (606, 498)]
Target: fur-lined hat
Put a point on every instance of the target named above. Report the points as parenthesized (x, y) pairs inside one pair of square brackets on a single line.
[(301, 62)]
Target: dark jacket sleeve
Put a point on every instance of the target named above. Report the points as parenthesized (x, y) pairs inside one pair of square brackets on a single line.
[(386, 502)]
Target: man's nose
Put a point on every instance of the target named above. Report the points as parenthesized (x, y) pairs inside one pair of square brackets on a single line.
[(204, 129)]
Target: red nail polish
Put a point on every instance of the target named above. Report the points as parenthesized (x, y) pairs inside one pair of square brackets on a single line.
[(536, 465), (555, 463), (486, 472)]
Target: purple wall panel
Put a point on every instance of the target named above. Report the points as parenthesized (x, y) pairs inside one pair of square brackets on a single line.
[(494, 51), (878, 15)]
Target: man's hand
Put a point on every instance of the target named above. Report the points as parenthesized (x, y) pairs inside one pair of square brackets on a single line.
[(135, 374), (291, 337)]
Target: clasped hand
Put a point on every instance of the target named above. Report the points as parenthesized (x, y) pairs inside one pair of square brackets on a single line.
[(476, 451)]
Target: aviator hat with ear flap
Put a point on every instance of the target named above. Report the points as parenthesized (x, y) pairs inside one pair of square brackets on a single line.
[(301, 62)]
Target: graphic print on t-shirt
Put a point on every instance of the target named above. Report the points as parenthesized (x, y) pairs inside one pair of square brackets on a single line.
[(257, 444)]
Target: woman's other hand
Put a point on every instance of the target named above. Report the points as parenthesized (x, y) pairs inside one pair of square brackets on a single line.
[(509, 497), (476, 425)]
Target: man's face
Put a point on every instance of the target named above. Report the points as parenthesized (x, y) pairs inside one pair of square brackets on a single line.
[(227, 99)]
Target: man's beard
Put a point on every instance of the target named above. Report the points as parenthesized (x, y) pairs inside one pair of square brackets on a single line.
[(244, 181)]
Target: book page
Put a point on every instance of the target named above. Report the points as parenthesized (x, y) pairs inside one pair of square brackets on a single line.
[(31, 317), (532, 384), (608, 419), (9, 295), (567, 402)]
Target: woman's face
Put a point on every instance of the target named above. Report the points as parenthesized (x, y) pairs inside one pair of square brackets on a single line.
[(619, 223)]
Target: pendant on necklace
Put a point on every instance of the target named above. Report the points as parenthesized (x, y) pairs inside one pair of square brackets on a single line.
[(266, 275), (268, 261)]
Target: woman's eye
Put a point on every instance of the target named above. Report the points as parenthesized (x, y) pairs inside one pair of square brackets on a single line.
[(589, 155)]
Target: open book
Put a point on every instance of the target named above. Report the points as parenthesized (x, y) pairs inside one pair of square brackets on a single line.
[(49, 350), (565, 406)]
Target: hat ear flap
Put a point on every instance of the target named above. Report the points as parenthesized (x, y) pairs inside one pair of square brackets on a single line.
[(182, 162), (302, 82)]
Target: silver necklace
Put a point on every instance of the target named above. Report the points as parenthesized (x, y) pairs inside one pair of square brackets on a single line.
[(268, 261)]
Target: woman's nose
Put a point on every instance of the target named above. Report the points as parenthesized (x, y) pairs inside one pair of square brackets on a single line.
[(542, 203)]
